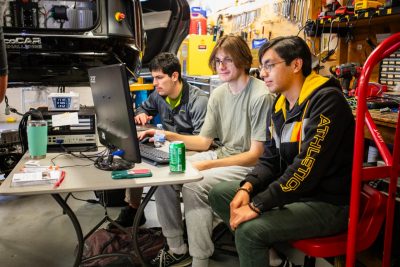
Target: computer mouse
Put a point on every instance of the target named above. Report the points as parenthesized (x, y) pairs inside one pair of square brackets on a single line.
[(145, 140)]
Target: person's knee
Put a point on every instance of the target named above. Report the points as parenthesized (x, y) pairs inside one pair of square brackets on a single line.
[(224, 191), (197, 190), (247, 236), (215, 195), (164, 190), (191, 188)]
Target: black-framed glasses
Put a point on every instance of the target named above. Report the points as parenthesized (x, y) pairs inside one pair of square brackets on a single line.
[(268, 67), (225, 61)]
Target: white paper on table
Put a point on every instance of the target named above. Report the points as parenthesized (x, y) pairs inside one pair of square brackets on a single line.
[(67, 118), (35, 178), (27, 177)]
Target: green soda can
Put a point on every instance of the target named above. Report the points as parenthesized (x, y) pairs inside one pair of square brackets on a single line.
[(177, 159)]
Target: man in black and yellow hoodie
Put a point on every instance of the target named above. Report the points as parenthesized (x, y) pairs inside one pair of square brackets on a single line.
[(300, 187)]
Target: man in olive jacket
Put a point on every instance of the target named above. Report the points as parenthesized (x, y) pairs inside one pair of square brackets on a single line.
[(182, 108)]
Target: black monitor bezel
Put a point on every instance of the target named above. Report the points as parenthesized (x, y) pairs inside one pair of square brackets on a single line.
[(111, 76)]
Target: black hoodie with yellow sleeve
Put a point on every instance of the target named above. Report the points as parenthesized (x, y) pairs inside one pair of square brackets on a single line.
[(310, 151)]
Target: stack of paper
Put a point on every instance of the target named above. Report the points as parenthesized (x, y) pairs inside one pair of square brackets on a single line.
[(36, 178)]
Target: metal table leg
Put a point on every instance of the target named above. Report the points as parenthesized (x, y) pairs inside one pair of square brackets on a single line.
[(76, 225), (66, 199), (136, 222), (79, 233)]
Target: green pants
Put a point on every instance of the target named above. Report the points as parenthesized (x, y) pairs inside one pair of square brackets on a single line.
[(294, 221)]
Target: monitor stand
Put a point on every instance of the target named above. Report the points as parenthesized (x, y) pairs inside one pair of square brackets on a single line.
[(112, 163)]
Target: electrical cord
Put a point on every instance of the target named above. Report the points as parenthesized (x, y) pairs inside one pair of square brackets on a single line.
[(302, 28), (107, 164), (331, 52), (52, 160), (89, 200), (7, 109), (89, 157), (81, 155), (35, 115), (315, 39), (368, 40)]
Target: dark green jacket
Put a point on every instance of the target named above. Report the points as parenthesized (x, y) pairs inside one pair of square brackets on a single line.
[(186, 118)]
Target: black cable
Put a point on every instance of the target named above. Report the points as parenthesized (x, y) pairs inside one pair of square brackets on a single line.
[(7, 109), (359, 14), (107, 162), (77, 165), (315, 38), (22, 133), (35, 115), (302, 28), (329, 40), (368, 40), (53, 158), (90, 200), (68, 166), (88, 157)]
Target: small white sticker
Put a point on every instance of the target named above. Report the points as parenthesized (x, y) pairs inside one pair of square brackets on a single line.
[(67, 118)]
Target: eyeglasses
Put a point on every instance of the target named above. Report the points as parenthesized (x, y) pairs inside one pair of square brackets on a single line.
[(268, 67), (225, 61)]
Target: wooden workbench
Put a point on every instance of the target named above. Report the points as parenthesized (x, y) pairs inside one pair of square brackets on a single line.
[(386, 123)]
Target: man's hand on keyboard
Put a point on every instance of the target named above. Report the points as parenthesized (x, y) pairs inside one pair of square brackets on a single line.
[(147, 133)]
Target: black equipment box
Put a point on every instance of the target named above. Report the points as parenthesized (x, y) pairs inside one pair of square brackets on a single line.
[(77, 137)]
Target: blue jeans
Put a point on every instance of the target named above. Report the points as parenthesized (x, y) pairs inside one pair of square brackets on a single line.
[(294, 221)]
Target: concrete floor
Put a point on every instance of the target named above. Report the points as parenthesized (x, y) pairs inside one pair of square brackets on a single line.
[(34, 232)]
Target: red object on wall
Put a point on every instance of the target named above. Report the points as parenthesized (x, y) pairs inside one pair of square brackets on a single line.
[(198, 24)]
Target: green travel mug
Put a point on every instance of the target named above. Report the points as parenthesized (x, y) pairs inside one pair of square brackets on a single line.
[(37, 138)]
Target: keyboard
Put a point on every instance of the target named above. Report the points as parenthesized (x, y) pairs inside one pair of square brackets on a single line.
[(155, 155), (141, 128)]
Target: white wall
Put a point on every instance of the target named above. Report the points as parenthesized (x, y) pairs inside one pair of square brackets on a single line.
[(34, 98)]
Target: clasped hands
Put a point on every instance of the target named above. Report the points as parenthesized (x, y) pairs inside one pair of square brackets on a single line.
[(240, 211)]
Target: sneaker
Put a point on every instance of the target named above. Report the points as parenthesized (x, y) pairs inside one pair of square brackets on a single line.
[(166, 258), (125, 218), (279, 259), (286, 263)]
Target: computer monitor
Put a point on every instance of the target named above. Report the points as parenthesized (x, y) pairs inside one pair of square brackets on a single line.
[(115, 119)]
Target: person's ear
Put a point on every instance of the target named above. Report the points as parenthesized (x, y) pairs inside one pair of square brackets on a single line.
[(175, 76), (297, 65)]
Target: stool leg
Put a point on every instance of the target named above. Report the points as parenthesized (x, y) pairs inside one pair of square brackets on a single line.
[(339, 261), (309, 261)]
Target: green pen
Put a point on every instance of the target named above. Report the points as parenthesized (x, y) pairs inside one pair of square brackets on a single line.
[(132, 173)]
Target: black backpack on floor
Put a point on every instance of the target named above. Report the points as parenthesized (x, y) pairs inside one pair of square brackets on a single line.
[(104, 241)]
